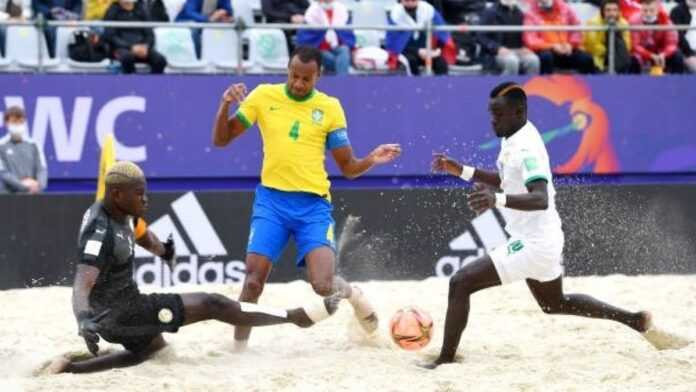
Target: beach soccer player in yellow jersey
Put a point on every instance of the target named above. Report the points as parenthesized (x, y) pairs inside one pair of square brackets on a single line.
[(298, 124)]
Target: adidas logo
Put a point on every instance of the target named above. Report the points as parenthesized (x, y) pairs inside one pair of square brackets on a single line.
[(487, 232), (197, 240)]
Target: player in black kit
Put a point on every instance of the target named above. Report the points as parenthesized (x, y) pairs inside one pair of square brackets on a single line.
[(107, 303)]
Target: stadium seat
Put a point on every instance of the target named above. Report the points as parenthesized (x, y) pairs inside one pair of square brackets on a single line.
[(64, 37), (584, 11), (176, 44), (23, 48), (243, 9), (366, 13), (219, 48), (268, 50), (368, 38)]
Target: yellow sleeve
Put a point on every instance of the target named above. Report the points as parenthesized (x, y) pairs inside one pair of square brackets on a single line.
[(140, 228), (249, 108), (338, 117)]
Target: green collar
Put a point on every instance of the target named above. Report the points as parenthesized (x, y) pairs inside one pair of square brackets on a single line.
[(294, 98)]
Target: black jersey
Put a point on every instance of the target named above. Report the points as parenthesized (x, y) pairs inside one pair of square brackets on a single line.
[(108, 245)]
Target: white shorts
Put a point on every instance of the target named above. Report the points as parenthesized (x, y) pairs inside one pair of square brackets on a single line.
[(522, 259)]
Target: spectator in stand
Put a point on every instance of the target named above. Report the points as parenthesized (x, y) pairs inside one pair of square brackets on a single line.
[(556, 49), (62, 10), (335, 45), (132, 45), (13, 10), (203, 11), (23, 164), (412, 44), (595, 42), (505, 50), (285, 11), (685, 14), (656, 50), (463, 13), (96, 9)]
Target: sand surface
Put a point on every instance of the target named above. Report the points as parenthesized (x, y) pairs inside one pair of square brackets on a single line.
[(509, 345)]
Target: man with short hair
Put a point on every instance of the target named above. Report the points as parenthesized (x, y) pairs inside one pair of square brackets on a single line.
[(298, 126), (523, 187), (556, 49), (132, 45), (506, 50), (23, 160), (595, 42), (107, 302), (656, 51)]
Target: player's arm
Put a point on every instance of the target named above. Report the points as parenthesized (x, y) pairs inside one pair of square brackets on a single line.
[(442, 163), (85, 279), (353, 167), (149, 241), (228, 128), (535, 199)]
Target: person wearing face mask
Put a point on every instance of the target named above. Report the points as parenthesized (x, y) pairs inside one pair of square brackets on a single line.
[(335, 45), (685, 14), (412, 44), (23, 160), (656, 50), (505, 50), (595, 42), (556, 49)]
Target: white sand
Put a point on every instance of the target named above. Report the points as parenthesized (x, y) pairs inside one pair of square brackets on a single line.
[(509, 345)]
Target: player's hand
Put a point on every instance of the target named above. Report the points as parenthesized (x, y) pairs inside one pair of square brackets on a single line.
[(235, 93), (88, 328), (385, 153), (443, 163), (169, 254), (481, 199)]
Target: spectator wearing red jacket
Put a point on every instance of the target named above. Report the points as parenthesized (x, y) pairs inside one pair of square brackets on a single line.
[(556, 49), (656, 49)]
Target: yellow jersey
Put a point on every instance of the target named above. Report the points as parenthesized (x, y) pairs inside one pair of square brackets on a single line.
[(296, 134)]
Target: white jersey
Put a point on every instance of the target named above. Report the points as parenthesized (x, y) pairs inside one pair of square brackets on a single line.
[(523, 158)]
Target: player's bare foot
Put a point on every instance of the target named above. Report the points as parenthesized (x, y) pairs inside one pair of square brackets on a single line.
[(645, 321), (364, 312), (307, 316), (659, 338), (56, 365)]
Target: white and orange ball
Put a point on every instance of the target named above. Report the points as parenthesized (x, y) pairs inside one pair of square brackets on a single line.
[(411, 328)]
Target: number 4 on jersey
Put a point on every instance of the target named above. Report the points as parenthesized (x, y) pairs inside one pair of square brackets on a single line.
[(295, 131)]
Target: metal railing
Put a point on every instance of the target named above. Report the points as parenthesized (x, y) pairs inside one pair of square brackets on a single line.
[(40, 24)]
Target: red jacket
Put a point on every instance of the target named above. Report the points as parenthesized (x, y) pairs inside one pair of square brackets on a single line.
[(646, 43), (560, 14)]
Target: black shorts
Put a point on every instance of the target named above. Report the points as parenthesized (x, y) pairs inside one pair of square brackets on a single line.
[(137, 323)]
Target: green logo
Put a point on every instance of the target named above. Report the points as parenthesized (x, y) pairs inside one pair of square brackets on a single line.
[(515, 247), (317, 116), (267, 47)]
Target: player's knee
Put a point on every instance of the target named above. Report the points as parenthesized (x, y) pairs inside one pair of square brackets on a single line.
[(323, 288), (461, 282)]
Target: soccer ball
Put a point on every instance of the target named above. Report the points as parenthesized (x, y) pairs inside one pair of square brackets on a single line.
[(411, 328)]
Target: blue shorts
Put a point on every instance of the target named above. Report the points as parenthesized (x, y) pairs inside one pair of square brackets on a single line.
[(278, 214)]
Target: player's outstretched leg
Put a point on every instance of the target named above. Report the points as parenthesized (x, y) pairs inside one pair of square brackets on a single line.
[(118, 359), (550, 297), (203, 306), (321, 266), (552, 300), (475, 276)]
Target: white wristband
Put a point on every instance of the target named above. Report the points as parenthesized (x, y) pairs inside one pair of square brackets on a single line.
[(500, 200), (467, 173)]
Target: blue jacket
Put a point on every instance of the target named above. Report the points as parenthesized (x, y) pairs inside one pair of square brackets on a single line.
[(192, 10), (396, 41)]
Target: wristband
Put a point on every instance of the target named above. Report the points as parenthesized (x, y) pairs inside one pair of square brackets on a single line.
[(500, 200), (467, 173)]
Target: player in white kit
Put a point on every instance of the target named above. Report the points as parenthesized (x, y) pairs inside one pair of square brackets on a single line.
[(525, 195)]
